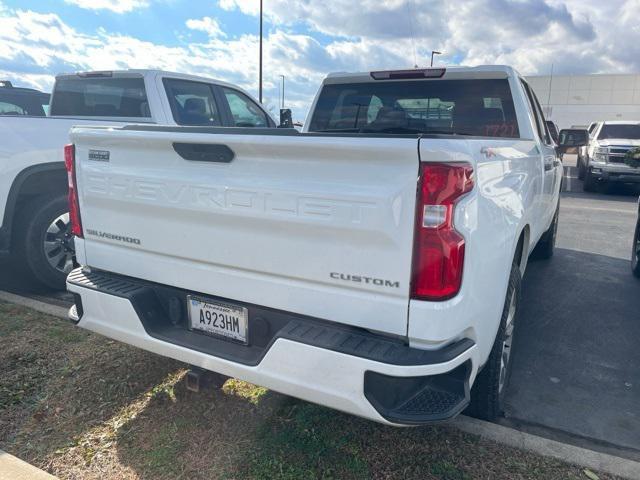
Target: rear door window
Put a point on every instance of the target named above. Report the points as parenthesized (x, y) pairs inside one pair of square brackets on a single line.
[(244, 111), (192, 103), (456, 107), (100, 97)]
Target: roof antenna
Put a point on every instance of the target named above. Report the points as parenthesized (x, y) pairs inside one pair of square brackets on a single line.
[(413, 37), (549, 95)]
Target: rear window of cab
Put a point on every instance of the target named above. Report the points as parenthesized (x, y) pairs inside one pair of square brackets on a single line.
[(107, 96), (455, 107)]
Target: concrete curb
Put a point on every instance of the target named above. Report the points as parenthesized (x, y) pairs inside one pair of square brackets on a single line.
[(12, 468), (602, 462), (583, 457), (37, 305)]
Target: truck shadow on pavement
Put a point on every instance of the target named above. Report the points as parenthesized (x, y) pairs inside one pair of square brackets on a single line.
[(576, 361)]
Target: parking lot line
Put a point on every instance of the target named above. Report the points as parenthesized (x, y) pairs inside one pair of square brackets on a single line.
[(567, 176), (599, 209)]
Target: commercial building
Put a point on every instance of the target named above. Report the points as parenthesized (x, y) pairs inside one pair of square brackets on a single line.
[(579, 100)]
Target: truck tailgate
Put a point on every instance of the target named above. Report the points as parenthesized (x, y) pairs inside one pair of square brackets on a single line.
[(315, 225)]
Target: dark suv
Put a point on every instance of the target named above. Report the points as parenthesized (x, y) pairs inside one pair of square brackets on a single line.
[(22, 101)]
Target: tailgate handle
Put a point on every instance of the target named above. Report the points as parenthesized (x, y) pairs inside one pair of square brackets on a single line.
[(204, 152)]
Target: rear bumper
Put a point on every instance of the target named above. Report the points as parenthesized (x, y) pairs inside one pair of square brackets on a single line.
[(348, 369)]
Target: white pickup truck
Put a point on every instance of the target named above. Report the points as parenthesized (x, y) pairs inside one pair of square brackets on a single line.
[(371, 263), (34, 224), (603, 159)]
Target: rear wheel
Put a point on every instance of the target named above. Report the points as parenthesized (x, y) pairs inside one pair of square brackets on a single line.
[(635, 252), (43, 241), (488, 392)]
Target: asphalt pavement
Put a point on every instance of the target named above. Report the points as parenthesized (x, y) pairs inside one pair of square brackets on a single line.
[(13, 280), (576, 371)]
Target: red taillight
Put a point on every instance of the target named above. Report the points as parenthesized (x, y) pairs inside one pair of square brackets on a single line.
[(438, 256), (74, 204)]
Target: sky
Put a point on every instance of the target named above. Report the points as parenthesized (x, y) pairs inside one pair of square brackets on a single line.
[(305, 39)]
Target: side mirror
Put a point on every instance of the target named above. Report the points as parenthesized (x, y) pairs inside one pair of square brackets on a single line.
[(571, 138), (285, 118)]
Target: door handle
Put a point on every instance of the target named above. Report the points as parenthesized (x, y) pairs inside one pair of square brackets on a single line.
[(204, 152)]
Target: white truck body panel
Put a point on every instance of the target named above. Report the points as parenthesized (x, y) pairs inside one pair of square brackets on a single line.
[(30, 141), (488, 217), (271, 228)]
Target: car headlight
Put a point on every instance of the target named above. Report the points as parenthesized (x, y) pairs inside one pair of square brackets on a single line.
[(601, 154)]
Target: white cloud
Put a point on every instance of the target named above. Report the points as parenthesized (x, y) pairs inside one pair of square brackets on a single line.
[(34, 47), (248, 7), (580, 35), (117, 6), (206, 24), (575, 35)]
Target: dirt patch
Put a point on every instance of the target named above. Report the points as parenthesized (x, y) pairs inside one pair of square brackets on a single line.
[(84, 407)]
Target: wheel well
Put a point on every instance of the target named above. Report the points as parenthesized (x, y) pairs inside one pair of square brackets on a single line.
[(42, 180), (522, 247)]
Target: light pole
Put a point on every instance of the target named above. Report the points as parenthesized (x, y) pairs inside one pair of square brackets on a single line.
[(434, 52), (260, 67), (282, 90)]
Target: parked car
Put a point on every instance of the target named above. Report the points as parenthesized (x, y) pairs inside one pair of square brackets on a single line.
[(22, 101), (604, 159), (34, 227), (304, 262), (635, 250)]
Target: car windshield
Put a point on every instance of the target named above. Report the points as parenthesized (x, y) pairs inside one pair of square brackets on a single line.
[(451, 107), (629, 131)]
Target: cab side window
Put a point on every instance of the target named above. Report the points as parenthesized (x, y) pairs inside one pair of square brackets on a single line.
[(244, 111), (192, 103)]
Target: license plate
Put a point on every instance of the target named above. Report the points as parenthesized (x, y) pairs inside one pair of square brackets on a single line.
[(215, 318)]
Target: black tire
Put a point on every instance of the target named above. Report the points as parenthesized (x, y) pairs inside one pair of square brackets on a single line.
[(635, 251), (30, 232), (488, 392), (590, 183), (547, 244)]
